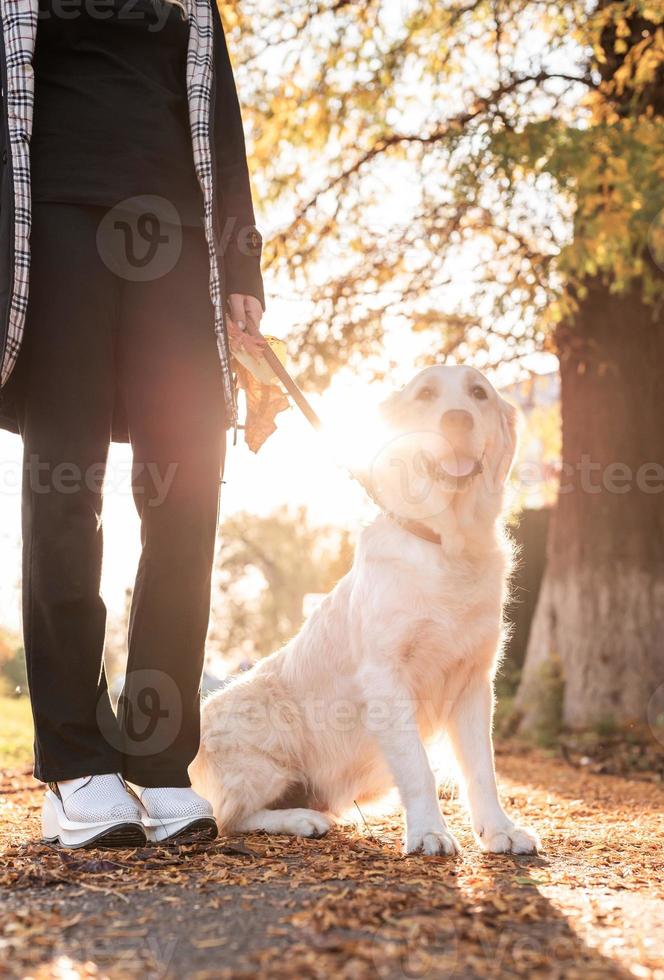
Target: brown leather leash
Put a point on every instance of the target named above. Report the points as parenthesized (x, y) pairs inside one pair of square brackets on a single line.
[(414, 527), (291, 387)]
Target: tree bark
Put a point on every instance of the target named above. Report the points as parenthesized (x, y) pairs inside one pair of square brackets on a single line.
[(596, 648)]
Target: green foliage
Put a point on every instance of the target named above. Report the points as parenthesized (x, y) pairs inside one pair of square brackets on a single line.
[(606, 727), (266, 568), (549, 694), (16, 732), (15, 715), (14, 672), (12, 663)]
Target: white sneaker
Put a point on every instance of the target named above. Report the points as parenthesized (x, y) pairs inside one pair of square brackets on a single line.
[(92, 810), (175, 813)]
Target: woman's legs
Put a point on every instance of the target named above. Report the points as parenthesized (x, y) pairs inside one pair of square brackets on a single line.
[(91, 332), (66, 427), (172, 391)]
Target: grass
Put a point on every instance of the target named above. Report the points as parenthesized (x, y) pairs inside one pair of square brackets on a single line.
[(15, 731)]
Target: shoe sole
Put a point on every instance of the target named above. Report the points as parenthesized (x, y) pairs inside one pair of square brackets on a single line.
[(202, 830), (123, 836), (58, 830)]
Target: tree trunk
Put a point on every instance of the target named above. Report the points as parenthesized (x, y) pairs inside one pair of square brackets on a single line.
[(596, 650)]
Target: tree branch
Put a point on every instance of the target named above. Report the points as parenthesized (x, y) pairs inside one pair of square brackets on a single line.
[(452, 126)]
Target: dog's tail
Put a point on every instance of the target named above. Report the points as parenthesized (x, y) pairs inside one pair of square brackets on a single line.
[(211, 780)]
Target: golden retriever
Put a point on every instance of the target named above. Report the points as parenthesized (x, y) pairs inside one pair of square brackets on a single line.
[(404, 648)]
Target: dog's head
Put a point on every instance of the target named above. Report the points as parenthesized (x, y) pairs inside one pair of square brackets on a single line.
[(451, 437)]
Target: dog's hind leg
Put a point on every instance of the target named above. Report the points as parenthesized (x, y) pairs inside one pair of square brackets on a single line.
[(299, 822), (237, 784), (241, 788)]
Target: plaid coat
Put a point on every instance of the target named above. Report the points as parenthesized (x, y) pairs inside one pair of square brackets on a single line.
[(221, 166)]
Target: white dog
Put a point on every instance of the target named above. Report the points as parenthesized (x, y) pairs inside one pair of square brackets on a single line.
[(405, 646)]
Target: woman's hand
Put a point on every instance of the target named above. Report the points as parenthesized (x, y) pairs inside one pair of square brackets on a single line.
[(245, 312)]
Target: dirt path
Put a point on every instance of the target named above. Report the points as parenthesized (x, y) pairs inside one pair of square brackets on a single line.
[(350, 905)]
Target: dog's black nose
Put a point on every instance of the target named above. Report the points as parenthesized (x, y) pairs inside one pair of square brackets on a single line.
[(456, 421)]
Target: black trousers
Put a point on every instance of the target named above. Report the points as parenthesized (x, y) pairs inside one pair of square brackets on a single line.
[(110, 324)]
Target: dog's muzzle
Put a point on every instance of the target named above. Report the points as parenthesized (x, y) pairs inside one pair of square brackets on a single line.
[(458, 480)]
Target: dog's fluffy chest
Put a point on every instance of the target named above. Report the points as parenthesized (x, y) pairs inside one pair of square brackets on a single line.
[(448, 627), (451, 635), (432, 603)]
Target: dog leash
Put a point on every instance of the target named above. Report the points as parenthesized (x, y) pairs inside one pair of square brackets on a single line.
[(415, 527)]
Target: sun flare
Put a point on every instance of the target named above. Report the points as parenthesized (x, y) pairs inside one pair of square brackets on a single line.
[(353, 428)]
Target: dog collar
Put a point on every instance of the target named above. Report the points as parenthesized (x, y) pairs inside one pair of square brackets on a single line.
[(417, 528)]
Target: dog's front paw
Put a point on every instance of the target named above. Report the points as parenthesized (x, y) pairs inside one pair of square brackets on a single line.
[(438, 841), (310, 823), (509, 840)]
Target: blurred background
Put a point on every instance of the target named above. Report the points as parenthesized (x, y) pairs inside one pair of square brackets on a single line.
[(477, 182)]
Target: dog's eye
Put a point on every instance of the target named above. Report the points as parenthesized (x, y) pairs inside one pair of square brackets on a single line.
[(479, 392), (425, 394)]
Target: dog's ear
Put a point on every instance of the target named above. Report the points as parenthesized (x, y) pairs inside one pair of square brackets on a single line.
[(510, 421)]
